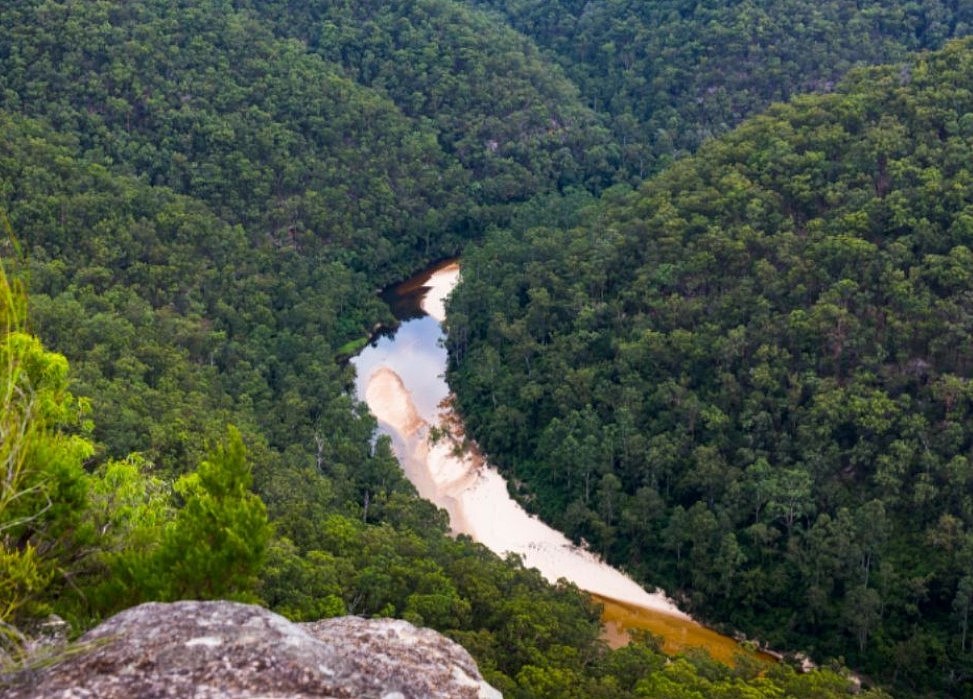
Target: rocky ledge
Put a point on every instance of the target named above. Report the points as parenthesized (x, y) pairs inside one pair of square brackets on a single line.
[(231, 651)]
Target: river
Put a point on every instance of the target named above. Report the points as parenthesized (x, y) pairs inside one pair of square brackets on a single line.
[(401, 378)]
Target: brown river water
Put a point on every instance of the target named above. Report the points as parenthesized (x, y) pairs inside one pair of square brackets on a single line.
[(401, 378)]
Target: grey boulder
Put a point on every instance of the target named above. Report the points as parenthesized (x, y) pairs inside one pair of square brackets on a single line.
[(231, 651)]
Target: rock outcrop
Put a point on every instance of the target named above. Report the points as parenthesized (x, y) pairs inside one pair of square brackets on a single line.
[(231, 651)]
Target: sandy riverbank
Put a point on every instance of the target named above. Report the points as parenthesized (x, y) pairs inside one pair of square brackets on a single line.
[(440, 284), (476, 498)]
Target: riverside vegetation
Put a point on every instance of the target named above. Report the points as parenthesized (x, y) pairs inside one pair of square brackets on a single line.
[(750, 378), (207, 194)]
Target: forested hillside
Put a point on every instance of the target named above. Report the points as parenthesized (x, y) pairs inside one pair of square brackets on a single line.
[(750, 378), (510, 117), (211, 101), (672, 73), (202, 199)]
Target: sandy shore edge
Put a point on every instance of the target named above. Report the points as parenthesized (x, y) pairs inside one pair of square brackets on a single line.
[(440, 284), (476, 497)]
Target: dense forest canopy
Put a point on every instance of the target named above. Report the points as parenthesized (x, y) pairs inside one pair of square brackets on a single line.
[(671, 73), (204, 196), (211, 101), (750, 378), (511, 118)]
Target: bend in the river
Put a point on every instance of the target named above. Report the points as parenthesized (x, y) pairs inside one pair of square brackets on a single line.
[(401, 378)]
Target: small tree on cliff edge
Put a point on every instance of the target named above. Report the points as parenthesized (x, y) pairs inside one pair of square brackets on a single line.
[(217, 543)]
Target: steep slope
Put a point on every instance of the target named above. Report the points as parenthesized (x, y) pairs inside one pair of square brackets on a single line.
[(169, 314), (676, 72), (750, 379), (508, 114), (305, 140)]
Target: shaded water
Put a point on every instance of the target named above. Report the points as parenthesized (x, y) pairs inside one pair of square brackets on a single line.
[(401, 378)]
